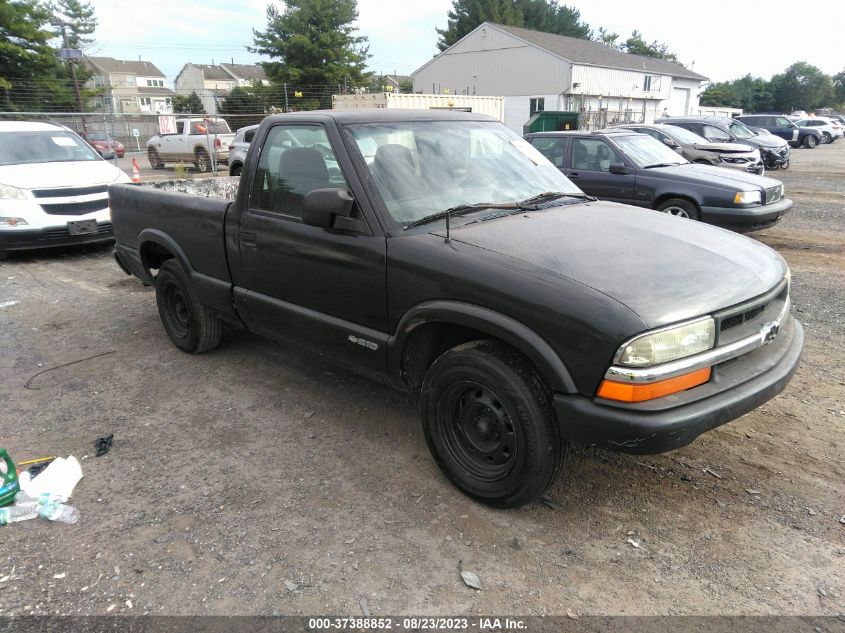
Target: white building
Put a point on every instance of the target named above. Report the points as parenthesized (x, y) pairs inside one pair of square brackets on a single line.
[(129, 87), (214, 83), (538, 71)]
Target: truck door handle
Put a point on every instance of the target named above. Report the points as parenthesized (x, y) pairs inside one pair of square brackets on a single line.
[(573, 174), (249, 239)]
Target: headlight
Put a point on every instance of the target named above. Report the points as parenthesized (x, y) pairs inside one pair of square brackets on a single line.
[(747, 197), (8, 192), (668, 345), (12, 221)]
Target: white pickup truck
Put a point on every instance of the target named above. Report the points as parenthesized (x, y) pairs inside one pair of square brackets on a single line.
[(196, 140)]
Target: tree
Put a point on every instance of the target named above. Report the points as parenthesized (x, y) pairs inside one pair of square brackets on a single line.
[(79, 21), (31, 77), (802, 86), (719, 94), (603, 36), (538, 15), (839, 88), (636, 45), (190, 104), (315, 44)]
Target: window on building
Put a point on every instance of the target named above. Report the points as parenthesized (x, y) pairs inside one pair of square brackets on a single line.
[(538, 104), (145, 101), (647, 83), (130, 80)]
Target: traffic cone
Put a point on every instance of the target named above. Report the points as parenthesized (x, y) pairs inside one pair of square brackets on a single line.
[(136, 171)]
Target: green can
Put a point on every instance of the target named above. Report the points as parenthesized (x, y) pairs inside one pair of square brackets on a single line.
[(9, 485)]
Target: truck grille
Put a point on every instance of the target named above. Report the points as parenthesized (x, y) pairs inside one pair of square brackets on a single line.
[(69, 191), (76, 208), (773, 194), (741, 321)]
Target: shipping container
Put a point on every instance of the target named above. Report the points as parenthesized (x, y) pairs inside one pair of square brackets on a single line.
[(491, 106)]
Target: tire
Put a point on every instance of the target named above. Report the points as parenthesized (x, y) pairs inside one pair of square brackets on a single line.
[(202, 161), (810, 141), (4, 255), (235, 170), (680, 208), (785, 165), (189, 324), (489, 424), (155, 159), (826, 137)]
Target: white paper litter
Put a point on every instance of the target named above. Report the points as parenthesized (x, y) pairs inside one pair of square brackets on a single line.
[(57, 480)]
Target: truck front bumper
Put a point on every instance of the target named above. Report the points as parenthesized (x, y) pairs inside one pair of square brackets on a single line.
[(667, 423), (750, 219), (21, 240)]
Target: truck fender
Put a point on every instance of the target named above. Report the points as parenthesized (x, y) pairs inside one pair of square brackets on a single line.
[(492, 323), (165, 241)]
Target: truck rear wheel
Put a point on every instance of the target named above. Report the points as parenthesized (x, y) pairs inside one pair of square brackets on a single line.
[(190, 325), (489, 423), (201, 161)]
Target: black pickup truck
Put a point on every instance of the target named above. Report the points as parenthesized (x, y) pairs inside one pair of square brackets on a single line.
[(444, 254)]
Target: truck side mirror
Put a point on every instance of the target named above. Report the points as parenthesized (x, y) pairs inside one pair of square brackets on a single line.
[(670, 143), (320, 207), (107, 154), (619, 168)]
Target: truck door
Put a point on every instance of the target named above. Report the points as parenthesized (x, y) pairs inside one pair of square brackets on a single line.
[(318, 288), (589, 168), (173, 145)]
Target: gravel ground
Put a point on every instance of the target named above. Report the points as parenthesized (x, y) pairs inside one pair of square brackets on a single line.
[(260, 480)]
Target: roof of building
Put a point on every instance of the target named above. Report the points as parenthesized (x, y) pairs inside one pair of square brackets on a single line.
[(245, 71), (595, 53), (213, 73), (131, 67), (155, 90), (589, 52)]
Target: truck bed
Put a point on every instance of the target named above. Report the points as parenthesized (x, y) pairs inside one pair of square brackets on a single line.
[(186, 217)]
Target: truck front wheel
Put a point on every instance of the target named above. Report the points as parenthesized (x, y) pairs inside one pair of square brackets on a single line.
[(201, 161), (489, 423), (190, 325)]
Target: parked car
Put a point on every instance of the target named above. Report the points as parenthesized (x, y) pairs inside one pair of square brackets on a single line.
[(795, 135), (718, 129), (464, 267), (53, 188), (103, 143), (697, 149), (829, 129), (635, 169), (195, 141), (239, 147), (798, 114)]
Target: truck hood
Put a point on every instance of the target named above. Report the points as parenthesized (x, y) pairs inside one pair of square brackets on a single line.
[(769, 141), (665, 269), (63, 174), (724, 148)]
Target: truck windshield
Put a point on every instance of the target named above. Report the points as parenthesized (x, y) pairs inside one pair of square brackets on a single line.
[(23, 148), (210, 126), (420, 168), (684, 136)]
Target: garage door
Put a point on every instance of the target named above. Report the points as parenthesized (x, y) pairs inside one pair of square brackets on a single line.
[(679, 103)]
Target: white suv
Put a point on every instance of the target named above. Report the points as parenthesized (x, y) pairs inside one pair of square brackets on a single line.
[(829, 129), (53, 188), (239, 147)]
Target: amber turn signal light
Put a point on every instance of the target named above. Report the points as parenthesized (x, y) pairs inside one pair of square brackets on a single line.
[(630, 392)]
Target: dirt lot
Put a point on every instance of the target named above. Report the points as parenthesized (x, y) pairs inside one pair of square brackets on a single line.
[(260, 480)]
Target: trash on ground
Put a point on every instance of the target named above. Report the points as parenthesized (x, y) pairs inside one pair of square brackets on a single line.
[(103, 444), (470, 578), (58, 480), (291, 586), (9, 484), (633, 542), (710, 471), (59, 576), (751, 491), (365, 608)]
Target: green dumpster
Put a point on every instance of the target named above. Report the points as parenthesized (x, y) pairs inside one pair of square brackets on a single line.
[(551, 121)]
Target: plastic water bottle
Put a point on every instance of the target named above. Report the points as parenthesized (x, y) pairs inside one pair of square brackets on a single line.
[(21, 512), (59, 512)]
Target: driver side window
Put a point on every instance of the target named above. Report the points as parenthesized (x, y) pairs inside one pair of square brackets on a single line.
[(590, 154), (295, 160)]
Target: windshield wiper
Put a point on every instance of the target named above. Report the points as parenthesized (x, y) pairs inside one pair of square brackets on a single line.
[(662, 165), (529, 204), (460, 209)]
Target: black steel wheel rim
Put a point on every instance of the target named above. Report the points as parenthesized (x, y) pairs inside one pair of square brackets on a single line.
[(477, 431), (177, 311)]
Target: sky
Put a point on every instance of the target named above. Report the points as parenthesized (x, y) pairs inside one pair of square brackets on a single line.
[(719, 39)]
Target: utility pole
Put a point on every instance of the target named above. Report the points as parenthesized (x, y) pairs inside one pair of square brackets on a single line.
[(63, 26)]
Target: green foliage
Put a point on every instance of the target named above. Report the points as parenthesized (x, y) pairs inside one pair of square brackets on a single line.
[(539, 15), (313, 43), (839, 88), (31, 77), (636, 45), (802, 86), (79, 19), (406, 86), (190, 104)]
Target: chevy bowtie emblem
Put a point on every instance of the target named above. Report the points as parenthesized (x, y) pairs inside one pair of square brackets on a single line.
[(768, 332)]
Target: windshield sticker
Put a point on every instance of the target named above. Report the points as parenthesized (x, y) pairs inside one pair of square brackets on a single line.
[(530, 152), (64, 141)]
